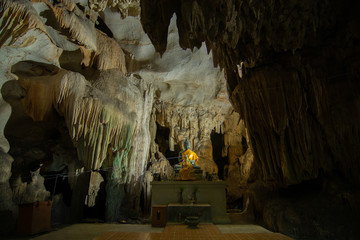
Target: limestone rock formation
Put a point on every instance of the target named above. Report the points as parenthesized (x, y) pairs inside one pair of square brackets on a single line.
[(92, 111), (181, 109), (99, 116), (240, 157), (259, 33), (104, 92), (292, 74)]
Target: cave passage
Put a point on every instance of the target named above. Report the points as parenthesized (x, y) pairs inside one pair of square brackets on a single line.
[(44, 146), (236, 205), (97, 212), (217, 140), (162, 139)]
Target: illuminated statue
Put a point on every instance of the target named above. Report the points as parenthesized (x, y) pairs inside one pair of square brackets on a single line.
[(188, 157), (188, 160)]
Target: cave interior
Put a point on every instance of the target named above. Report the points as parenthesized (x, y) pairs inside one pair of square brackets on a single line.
[(98, 98)]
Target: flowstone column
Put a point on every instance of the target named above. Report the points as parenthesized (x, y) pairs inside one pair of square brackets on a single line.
[(116, 184)]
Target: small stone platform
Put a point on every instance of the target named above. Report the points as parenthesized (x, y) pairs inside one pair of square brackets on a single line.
[(207, 192), (176, 213), (182, 232)]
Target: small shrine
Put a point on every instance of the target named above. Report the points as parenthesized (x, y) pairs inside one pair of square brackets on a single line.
[(188, 169), (189, 197)]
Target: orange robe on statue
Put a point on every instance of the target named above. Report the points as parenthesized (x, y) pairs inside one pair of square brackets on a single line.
[(190, 156)]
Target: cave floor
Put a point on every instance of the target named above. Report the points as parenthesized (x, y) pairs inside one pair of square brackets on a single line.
[(100, 231)]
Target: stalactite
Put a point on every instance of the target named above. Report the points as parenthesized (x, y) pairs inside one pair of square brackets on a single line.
[(94, 119), (171, 138), (81, 28), (125, 7), (94, 186), (17, 18), (194, 123), (97, 47), (100, 129), (110, 54)]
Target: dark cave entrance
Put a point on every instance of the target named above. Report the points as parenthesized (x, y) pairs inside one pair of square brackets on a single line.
[(217, 140), (97, 212), (235, 205), (244, 144), (162, 139), (43, 146), (40, 151)]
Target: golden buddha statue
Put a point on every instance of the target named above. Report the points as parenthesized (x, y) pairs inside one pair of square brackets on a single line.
[(188, 159)]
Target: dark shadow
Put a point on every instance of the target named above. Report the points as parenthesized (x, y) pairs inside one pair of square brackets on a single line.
[(162, 139), (217, 140)]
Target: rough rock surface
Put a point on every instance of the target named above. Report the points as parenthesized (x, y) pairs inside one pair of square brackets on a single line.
[(292, 69), (240, 158), (269, 94)]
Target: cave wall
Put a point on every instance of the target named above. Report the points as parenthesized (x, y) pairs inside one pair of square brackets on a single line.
[(237, 148), (104, 113), (48, 53), (284, 63), (292, 70)]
